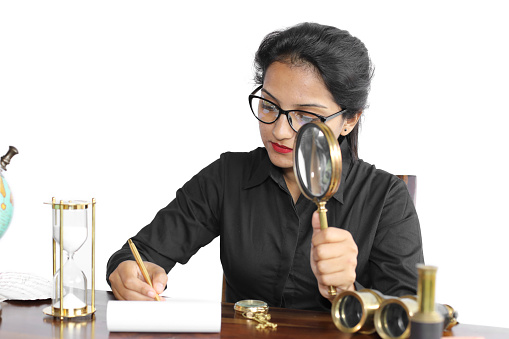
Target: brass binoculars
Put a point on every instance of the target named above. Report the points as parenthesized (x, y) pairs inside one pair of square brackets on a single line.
[(367, 311)]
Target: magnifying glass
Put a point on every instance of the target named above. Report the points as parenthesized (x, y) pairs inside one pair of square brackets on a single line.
[(317, 166)]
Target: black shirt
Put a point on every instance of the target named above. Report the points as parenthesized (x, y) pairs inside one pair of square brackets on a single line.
[(265, 237)]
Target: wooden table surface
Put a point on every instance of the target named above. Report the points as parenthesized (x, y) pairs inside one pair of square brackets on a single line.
[(24, 319)]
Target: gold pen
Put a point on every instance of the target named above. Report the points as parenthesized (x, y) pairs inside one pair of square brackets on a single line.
[(141, 266)]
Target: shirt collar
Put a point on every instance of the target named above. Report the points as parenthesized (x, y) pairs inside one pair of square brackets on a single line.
[(264, 169)]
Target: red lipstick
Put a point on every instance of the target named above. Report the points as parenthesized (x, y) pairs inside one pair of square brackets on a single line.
[(280, 148)]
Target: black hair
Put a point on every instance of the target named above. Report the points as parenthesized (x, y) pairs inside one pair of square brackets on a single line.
[(341, 59)]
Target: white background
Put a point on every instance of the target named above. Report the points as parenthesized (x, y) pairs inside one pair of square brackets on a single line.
[(125, 101)]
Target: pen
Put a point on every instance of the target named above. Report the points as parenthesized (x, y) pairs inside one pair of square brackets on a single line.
[(141, 266)]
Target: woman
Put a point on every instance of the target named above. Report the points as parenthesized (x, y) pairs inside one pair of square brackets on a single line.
[(252, 200)]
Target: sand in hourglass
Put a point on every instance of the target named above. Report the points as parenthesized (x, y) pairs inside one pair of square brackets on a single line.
[(74, 237), (71, 302)]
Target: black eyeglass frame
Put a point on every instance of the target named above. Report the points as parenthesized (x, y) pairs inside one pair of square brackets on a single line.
[(282, 111)]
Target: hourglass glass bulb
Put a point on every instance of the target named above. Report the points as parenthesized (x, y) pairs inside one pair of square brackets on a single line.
[(75, 287), (75, 228)]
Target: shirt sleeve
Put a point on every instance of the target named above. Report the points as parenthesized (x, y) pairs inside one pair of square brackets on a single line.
[(397, 246), (179, 230)]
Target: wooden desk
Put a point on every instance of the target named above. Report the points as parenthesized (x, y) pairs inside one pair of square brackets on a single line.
[(24, 319)]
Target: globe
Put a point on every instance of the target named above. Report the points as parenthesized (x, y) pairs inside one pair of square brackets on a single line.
[(6, 205)]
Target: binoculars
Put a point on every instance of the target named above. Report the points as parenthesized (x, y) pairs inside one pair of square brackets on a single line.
[(417, 317), (367, 311)]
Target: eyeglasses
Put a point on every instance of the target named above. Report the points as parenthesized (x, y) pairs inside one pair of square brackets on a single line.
[(268, 112)]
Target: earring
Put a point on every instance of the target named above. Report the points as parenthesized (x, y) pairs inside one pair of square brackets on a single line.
[(346, 129)]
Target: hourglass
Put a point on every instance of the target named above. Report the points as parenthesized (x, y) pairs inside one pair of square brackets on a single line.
[(70, 232)]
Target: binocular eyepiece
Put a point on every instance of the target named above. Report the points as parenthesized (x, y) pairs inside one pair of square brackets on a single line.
[(393, 317), (353, 311)]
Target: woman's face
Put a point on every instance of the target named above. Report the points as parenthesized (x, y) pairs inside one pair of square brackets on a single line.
[(294, 87)]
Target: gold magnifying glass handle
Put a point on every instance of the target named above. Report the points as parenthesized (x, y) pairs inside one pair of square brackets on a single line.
[(322, 213)]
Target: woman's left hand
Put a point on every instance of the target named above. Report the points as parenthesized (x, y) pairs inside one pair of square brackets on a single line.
[(333, 258)]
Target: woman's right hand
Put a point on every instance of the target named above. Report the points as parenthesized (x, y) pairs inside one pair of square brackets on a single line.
[(127, 282)]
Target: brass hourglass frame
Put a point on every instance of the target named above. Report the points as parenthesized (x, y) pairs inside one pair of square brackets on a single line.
[(333, 153), (89, 309)]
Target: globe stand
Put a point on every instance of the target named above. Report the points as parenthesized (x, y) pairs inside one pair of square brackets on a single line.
[(6, 202), (70, 298)]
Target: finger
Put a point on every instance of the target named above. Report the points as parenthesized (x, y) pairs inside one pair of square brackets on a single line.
[(117, 295), (158, 276), (336, 265), (122, 293), (315, 222), (140, 286), (343, 280), (159, 282), (114, 282), (331, 235), (327, 251), (127, 294), (132, 288)]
